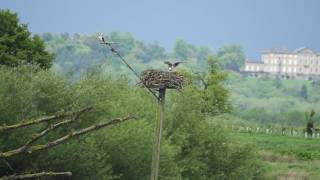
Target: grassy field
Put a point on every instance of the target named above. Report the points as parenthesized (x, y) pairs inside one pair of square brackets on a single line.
[(291, 158)]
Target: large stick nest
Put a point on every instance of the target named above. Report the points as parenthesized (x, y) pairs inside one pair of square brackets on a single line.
[(157, 79)]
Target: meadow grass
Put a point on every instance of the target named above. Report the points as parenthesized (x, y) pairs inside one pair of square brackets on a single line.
[(291, 158)]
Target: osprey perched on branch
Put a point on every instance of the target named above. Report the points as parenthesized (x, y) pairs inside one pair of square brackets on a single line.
[(100, 37), (171, 66), (103, 40)]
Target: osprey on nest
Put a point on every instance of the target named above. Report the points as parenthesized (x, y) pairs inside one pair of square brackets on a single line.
[(171, 66)]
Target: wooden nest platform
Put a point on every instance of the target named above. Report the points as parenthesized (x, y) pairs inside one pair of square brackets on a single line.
[(157, 79)]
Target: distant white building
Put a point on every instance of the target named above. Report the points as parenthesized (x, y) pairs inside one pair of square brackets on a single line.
[(303, 63)]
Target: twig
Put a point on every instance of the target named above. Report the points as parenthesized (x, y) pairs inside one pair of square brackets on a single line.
[(64, 138), (35, 175), (44, 119)]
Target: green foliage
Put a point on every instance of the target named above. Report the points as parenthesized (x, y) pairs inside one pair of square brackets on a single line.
[(216, 96), (182, 50), (205, 150), (78, 53), (263, 99), (295, 157), (304, 92), (191, 147), (231, 57), (272, 101), (300, 147), (18, 47)]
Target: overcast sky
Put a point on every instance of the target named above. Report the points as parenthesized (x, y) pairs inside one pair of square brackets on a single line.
[(254, 24)]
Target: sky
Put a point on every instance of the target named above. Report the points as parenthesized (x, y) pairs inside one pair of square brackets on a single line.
[(254, 24)]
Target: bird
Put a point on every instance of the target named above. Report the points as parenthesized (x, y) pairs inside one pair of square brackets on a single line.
[(100, 37), (103, 41), (171, 66)]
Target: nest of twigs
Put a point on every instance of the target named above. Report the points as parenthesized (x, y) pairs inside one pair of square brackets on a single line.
[(157, 79)]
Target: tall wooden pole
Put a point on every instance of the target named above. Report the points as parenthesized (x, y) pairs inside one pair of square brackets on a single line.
[(157, 137)]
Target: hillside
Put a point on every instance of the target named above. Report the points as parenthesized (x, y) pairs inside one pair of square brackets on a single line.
[(262, 100)]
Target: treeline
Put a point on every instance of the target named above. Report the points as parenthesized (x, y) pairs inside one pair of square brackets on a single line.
[(76, 53), (264, 100), (275, 102), (192, 147)]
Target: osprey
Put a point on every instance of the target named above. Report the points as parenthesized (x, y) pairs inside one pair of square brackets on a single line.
[(100, 37), (171, 66)]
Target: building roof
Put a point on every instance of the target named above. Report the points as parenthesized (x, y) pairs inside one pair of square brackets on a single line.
[(276, 50), (302, 50), (305, 50)]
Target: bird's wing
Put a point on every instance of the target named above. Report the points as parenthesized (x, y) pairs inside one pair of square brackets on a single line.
[(169, 63), (177, 63)]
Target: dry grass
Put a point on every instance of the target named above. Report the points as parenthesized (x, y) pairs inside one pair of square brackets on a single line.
[(292, 176), (271, 157)]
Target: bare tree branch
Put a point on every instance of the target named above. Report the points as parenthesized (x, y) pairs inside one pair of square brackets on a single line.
[(35, 175), (44, 119), (46, 131), (63, 139)]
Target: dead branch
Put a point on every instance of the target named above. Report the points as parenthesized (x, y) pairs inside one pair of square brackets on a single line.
[(44, 119), (63, 139), (35, 175), (44, 132)]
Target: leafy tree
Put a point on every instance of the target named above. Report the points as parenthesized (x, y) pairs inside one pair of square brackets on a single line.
[(17, 46), (205, 151), (183, 50), (231, 57), (215, 96)]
